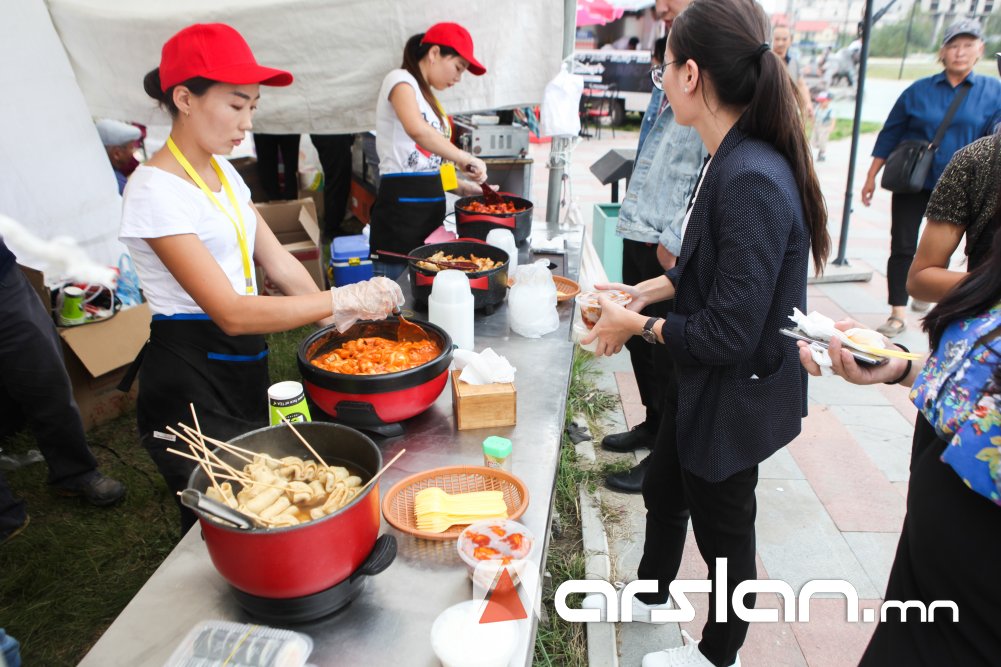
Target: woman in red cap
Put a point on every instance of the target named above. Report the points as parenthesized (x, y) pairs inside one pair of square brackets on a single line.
[(194, 236), (417, 160)]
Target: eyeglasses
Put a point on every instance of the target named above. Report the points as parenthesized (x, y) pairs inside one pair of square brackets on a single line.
[(657, 74)]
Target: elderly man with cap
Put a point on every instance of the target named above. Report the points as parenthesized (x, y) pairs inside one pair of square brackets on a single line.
[(119, 141), (952, 108)]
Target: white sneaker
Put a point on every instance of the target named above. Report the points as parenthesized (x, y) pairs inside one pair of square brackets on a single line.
[(687, 655), (641, 610), (919, 306)]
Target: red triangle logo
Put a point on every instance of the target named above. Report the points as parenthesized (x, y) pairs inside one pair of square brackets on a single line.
[(503, 603)]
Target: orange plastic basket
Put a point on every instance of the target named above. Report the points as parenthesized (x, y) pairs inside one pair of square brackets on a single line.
[(398, 503), (566, 289)]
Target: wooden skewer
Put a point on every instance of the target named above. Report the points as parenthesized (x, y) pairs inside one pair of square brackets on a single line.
[(308, 446), (378, 474), (233, 449), (196, 447), (253, 482), (223, 466), (208, 473)]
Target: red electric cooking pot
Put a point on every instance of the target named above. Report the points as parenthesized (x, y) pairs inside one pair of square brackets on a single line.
[(489, 287), (478, 225), (303, 572), (371, 400)]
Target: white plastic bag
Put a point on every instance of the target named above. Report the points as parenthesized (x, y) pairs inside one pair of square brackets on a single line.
[(532, 301), (561, 105)]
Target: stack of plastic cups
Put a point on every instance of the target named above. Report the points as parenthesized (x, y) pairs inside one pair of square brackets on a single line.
[(504, 239), (450, 306)]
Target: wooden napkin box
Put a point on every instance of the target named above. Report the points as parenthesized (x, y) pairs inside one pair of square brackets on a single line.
[(483, 405)]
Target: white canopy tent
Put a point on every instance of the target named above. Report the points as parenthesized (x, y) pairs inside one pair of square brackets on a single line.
[(68, 61)]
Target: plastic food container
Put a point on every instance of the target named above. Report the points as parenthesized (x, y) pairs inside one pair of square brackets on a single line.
[(460, 640), (487, 547), (590, 309), (218, 643)]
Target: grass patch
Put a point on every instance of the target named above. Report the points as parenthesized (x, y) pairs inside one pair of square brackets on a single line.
[(559, 643), (843, 128), (71, 572), (916, 69), (66, 577)]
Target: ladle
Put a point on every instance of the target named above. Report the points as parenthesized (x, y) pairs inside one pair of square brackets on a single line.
[(491, 196), (445, 264)]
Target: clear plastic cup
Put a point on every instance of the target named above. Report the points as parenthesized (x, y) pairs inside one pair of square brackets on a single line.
[(590, 308)]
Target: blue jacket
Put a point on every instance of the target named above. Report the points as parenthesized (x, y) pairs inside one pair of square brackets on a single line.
[(921, 108), (743, 267), (663, 178)]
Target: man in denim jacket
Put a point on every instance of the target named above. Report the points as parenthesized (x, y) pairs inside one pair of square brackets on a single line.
[(650, 218)]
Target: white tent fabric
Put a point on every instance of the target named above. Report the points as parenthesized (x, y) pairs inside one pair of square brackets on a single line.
[(55, 178), (338, 50)]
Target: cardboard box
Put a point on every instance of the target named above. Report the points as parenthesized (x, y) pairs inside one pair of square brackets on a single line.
[(295, 225), (97, 355), (483, 405)]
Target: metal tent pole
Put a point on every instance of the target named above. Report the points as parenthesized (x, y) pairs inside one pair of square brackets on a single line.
[(846, 214), (557, 148)]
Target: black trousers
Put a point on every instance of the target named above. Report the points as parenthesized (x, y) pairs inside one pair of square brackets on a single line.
[(906, 212), (722, 516), (334, 151), (948, 550), (272, 148), (639, 263), (36, 391)]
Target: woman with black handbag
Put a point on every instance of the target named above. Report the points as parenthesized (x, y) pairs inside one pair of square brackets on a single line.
[(931, 120)]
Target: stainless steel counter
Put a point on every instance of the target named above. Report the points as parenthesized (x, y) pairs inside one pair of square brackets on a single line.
[(390, 622)]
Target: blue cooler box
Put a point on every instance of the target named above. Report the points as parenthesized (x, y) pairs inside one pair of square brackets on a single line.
[(349, 261)]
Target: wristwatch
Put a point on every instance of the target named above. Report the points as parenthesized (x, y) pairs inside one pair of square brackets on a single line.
[(648, 333)]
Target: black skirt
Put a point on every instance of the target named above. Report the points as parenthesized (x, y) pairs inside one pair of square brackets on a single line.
[(948, 550), (407, 209)]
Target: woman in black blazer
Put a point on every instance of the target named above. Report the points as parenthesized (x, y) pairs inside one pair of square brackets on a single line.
[(741, 392)]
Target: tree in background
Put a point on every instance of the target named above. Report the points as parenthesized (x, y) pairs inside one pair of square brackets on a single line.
[(888, 40)]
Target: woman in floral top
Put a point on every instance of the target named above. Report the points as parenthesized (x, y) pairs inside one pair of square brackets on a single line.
[(951, 538)]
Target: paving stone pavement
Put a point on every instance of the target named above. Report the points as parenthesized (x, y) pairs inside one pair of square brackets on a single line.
[(831, 503)]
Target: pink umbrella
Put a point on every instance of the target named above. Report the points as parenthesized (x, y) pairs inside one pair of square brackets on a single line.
[(596, 12)]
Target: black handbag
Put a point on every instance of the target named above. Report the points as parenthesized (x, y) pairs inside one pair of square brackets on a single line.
[(907, 167)]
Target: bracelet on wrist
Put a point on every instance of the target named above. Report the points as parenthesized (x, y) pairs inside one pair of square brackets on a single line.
[(907, 369)]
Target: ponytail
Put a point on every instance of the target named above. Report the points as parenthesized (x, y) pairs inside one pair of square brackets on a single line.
[(413, 53), (729, 41)]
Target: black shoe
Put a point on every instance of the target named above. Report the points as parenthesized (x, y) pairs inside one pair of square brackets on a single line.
[(16, 531), (637, 437), (98, 489), (630, 481)]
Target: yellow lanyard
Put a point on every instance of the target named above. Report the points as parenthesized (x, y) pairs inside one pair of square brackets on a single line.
[(446, 127), (238, 226)]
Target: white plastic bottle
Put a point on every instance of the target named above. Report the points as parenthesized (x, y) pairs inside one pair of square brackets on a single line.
[(504, 239), (450, 306)]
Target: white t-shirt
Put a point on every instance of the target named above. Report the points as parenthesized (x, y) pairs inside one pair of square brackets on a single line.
[(157, 203), (698, 188), (397, 151)]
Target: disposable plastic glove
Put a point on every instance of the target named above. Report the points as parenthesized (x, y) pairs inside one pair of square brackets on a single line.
[(372, 299)]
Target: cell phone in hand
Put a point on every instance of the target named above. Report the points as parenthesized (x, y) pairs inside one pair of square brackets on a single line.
[(863, 358)]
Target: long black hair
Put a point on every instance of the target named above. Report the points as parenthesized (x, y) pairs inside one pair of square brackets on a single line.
[(413, 52), (980, 290), (151, 84), (728, 39)]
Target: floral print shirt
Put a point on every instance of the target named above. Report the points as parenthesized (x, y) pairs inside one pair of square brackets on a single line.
[(956, 394)]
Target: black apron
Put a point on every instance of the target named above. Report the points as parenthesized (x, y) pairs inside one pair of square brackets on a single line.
[(189, 359), (407, 209)]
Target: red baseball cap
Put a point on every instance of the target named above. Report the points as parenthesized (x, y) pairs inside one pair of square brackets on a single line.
[(457, 37), (217, 52)]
